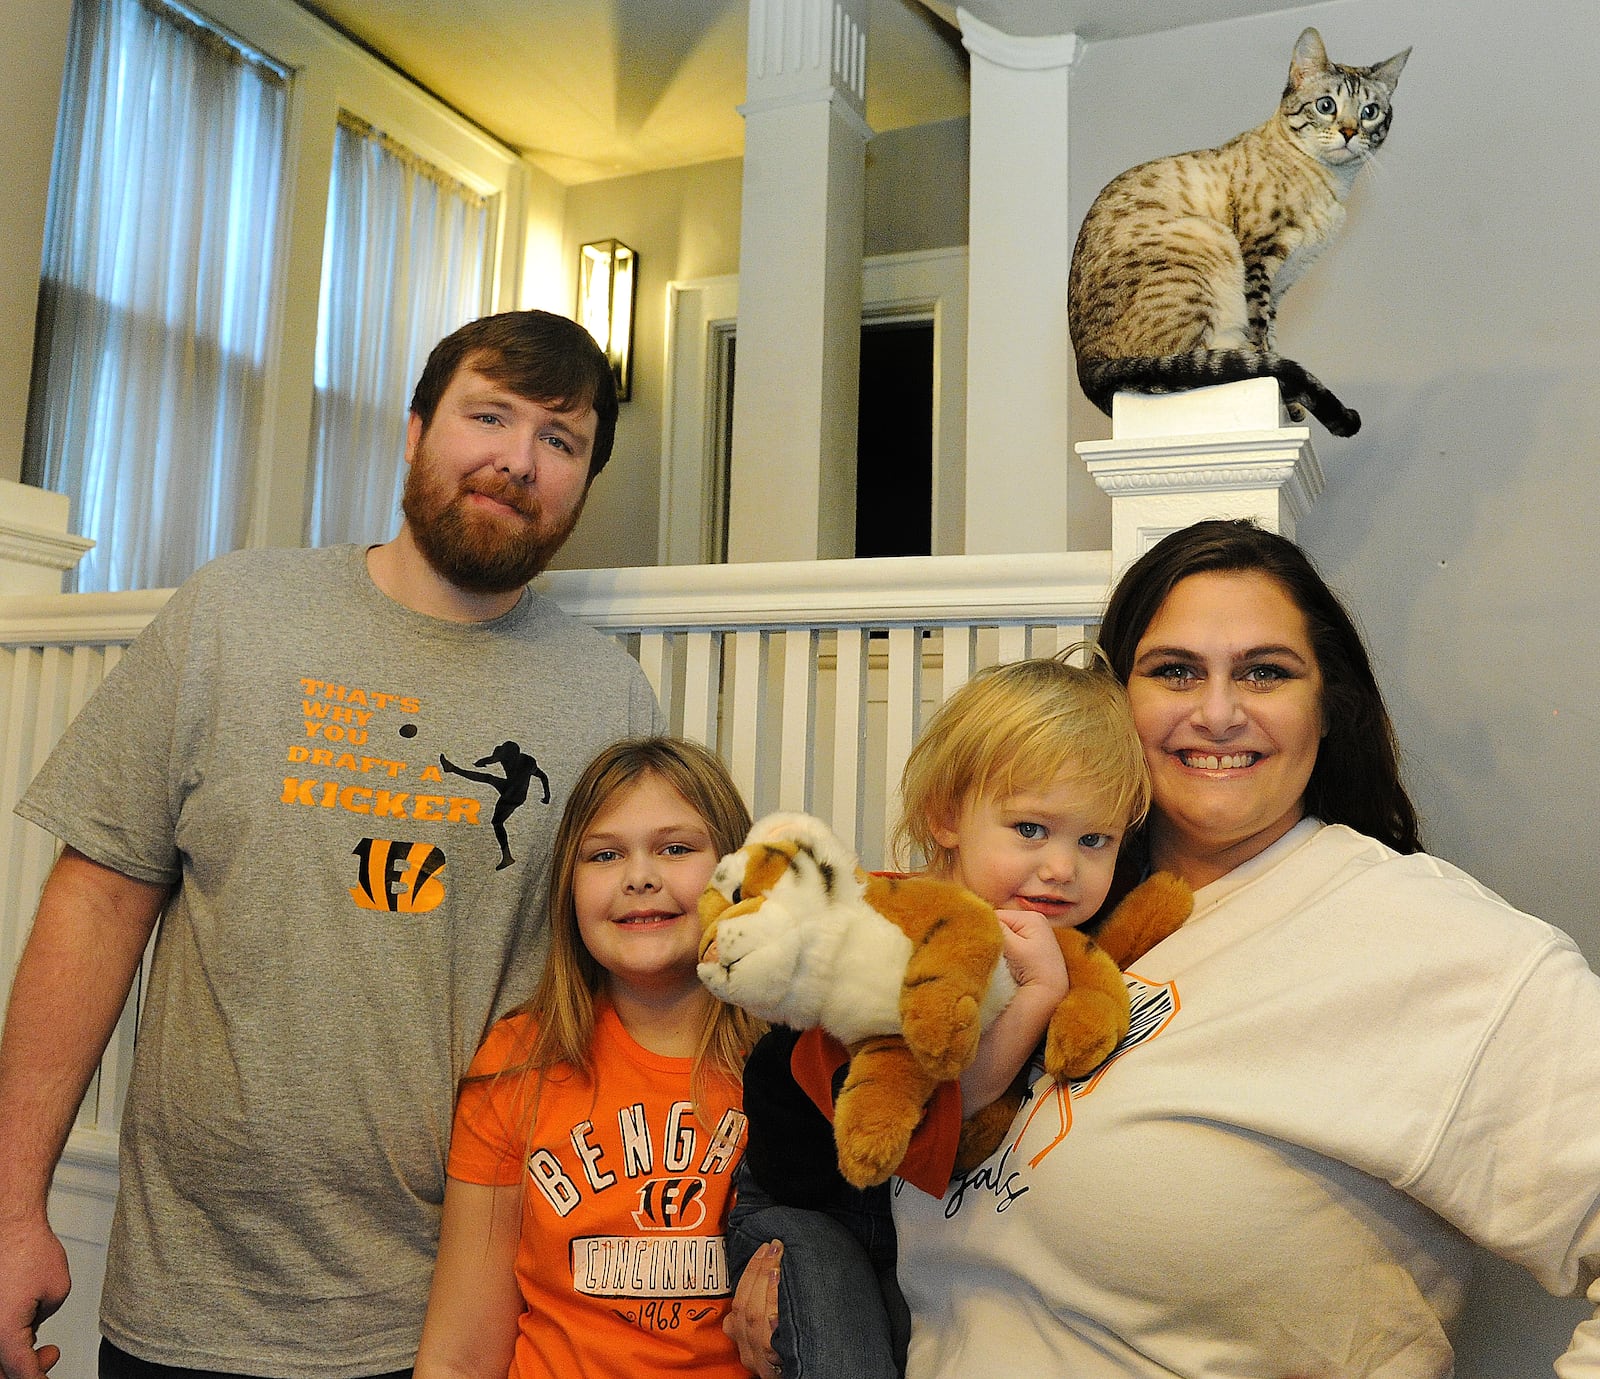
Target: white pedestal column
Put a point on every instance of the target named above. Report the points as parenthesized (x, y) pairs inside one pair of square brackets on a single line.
[(792, 485), (1019, 358), (1211, 452), (36, 549)]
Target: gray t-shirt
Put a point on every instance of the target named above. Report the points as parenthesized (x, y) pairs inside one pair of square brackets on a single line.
[(320, 768)]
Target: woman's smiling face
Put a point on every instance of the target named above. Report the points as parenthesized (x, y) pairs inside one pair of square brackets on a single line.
[(1227, 697)]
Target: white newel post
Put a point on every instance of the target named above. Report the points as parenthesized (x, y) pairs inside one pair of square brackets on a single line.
[(36, 549), (799, 361), (1213, 452)]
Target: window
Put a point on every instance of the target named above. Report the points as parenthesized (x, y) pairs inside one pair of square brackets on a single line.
[(157, 287), (405, 262)]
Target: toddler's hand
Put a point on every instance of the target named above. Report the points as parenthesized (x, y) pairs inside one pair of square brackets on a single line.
[(1032, 953), (1034, 957)]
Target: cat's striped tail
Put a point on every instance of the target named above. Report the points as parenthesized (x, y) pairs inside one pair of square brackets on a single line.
[(1173, 373)]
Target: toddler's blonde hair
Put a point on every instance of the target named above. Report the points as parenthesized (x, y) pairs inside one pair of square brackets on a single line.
[(1022, 726)]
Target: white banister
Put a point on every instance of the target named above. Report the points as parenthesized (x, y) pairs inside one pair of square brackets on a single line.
[(797, 739), (1066, 586)]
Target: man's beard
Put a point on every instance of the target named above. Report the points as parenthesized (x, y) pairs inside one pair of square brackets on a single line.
[(479, 551)]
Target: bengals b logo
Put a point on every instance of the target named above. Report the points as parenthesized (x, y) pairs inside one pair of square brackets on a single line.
[(671, 1204), (398, 876)]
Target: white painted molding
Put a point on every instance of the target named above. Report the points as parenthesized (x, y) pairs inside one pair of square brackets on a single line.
[(823, 593), (1037, 53), (1177, 458), (820, 95), (1268, 459), (696, 313), (77, 619), (813, 38), (35, 545), (27, 545)]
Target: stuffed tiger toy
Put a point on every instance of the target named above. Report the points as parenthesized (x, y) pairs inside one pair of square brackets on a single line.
[(905, 971)]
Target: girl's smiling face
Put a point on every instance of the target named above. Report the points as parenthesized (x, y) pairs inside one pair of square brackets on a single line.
[(642, 864), (1227, 697)]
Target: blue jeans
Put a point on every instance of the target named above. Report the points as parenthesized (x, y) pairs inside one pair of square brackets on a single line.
[(841, 1314)]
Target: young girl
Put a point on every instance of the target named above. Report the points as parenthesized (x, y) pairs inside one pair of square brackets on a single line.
[(598, 1129), (1020, 789)]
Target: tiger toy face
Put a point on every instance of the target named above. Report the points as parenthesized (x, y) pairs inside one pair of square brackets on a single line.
[(787, 935), (734, 918)]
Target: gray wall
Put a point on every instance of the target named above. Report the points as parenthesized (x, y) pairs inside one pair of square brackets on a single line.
[(1460, 313), (683, 223), (916, 193)]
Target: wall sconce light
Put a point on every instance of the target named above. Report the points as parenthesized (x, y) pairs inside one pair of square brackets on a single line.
[(607, 275)]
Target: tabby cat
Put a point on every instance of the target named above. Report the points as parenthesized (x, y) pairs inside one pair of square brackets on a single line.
[(1181, 262)]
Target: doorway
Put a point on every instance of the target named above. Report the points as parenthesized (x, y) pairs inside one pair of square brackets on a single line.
[(894, 440), (925, 291)]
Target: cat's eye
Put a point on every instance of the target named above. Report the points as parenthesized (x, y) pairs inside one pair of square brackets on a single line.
[(1370, 111), (1326, 105)]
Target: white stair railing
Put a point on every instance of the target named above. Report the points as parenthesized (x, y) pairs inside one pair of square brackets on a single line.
[(812, 678)]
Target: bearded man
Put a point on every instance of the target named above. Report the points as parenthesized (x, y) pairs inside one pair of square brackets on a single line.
[(340, 923)]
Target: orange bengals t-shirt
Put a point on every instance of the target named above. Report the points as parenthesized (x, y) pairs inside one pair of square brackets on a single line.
[(622, 1264)]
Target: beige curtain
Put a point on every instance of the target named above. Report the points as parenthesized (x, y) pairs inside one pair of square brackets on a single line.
[(405, 262)]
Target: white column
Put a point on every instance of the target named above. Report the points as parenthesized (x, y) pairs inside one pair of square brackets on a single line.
[(1019, 358), (1210, 452), (35, 546), (792, 485)]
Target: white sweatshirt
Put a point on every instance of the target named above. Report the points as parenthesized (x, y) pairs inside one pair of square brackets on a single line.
[(1345, 1065)]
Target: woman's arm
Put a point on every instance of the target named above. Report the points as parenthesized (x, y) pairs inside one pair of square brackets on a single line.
[(471, 1326)]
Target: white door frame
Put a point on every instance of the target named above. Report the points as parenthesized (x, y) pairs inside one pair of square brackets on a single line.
[(921, 285)]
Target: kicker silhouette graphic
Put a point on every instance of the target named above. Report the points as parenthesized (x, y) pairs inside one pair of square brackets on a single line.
[(520, 769)]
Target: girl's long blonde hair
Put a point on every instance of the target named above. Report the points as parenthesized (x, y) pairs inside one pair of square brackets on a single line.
[(561, 1032)]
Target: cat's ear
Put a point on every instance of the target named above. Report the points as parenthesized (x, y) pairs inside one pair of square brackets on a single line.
[(1387, 74), (1310, 59)]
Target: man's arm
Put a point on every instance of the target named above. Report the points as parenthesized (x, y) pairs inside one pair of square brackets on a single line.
[(76, 969)]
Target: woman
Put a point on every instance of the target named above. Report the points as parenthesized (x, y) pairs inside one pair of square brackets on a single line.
[(1351, 1061)]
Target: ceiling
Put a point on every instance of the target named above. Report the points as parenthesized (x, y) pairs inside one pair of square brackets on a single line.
[(588, 89)]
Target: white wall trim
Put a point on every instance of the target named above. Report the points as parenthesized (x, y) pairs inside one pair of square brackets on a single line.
[(688, 419), (1022, 53)]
